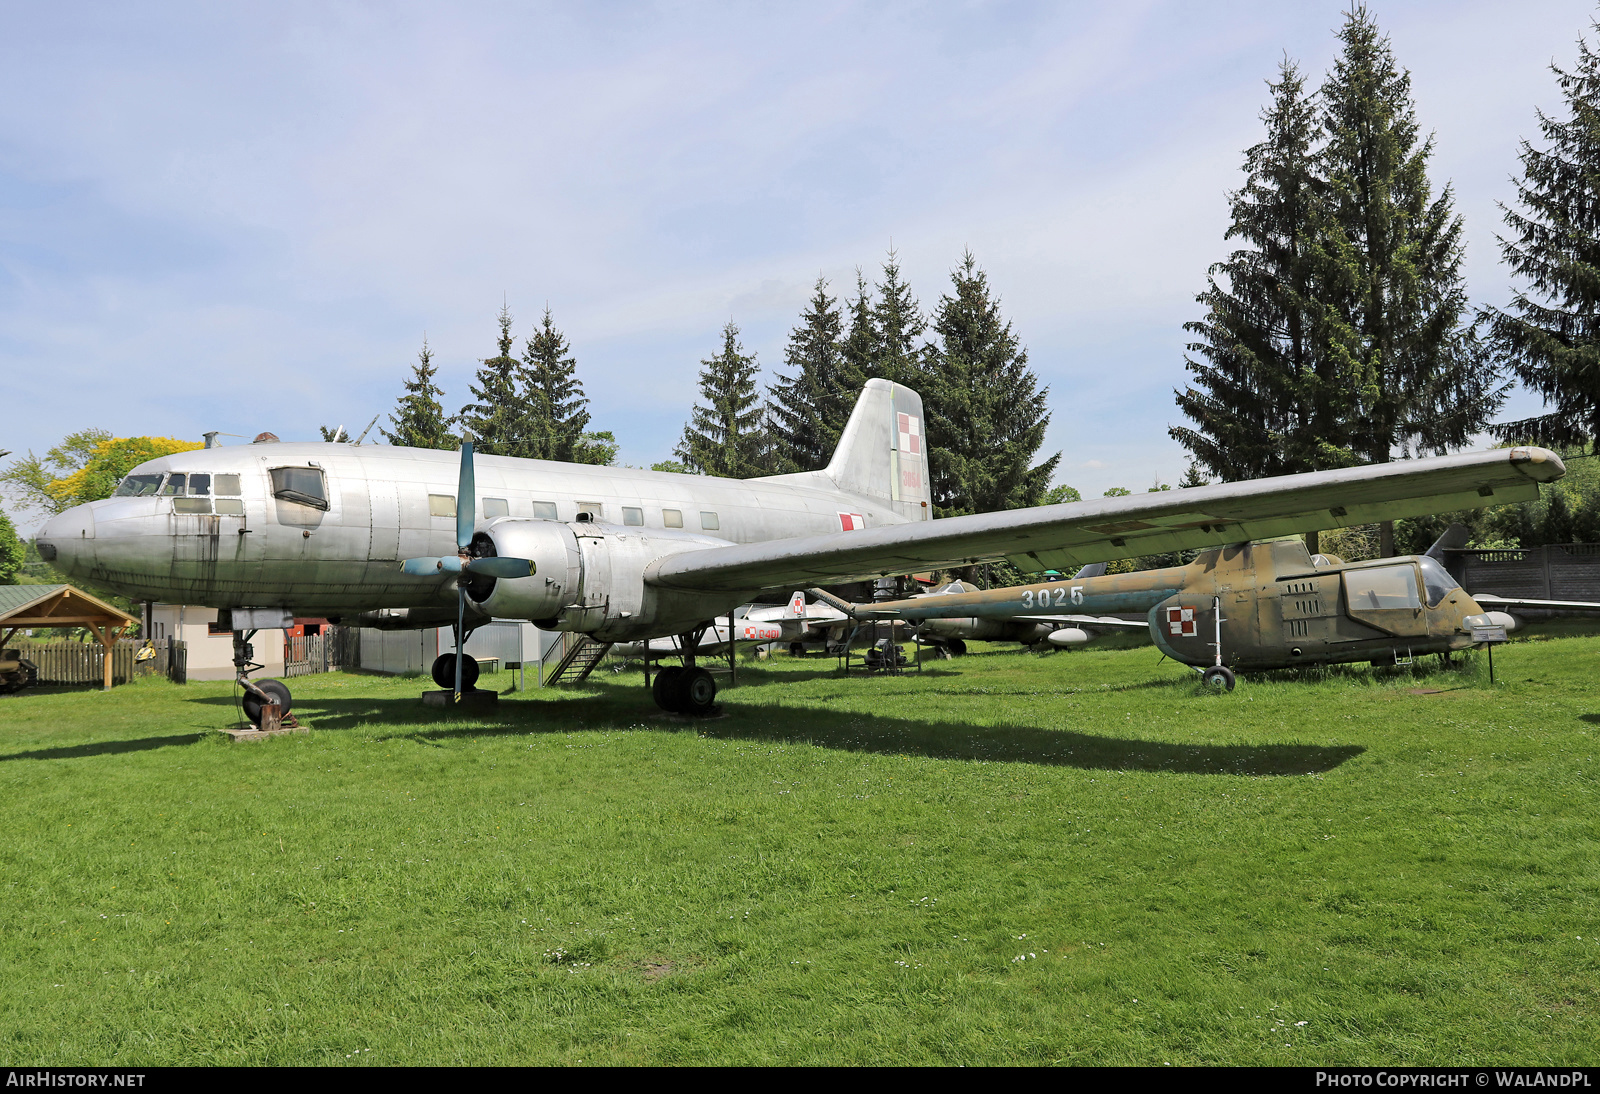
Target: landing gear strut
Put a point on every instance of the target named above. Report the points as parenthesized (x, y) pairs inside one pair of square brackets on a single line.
[(260, 696)]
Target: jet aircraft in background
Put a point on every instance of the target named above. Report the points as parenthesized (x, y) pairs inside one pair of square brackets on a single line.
[(401, 537)]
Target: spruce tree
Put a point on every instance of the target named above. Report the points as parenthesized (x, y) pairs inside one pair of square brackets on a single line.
[(419, 420), (858, 347), (499, 422), (724, 436), (1394, 253), (1551, 339), (557, 414), (897, 325), (807, 408), (986, 412), (1268, 395)]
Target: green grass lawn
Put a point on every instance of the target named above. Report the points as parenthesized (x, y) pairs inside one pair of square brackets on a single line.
[(1009, 858)]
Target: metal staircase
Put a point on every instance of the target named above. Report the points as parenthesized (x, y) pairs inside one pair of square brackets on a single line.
[(578, 662)]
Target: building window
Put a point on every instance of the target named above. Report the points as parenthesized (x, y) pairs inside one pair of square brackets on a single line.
[(672, 518), (441, 505), (632, 515), (708, 521), (545, 510)]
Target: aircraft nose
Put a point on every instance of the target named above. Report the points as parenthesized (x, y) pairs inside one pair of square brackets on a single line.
[(66, 539)]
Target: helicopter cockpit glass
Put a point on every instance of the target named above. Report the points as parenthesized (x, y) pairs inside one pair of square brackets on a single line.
[(1382, 587), (1436, 581)]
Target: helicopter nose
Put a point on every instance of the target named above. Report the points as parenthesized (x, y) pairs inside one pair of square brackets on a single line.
[(67, 539)]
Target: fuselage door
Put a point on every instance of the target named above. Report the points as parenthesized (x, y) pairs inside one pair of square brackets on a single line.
[(384, 543)]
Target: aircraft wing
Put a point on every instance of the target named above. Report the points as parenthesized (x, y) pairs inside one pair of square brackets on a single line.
[(1064, 537)]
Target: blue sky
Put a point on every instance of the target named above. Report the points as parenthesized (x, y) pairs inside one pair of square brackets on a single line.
[(245, 217)]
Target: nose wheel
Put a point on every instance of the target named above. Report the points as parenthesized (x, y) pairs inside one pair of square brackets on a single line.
[(275, 691)]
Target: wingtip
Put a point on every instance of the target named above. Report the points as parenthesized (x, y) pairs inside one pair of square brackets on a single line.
[(1539, 464)]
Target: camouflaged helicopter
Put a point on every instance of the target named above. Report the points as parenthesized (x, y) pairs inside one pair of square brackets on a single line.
[(1248, 606)]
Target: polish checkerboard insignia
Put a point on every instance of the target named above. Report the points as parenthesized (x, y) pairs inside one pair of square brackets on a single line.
[(910, 434), (1181, 623)]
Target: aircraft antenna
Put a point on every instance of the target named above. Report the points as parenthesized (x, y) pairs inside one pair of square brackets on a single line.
[(367, 430)]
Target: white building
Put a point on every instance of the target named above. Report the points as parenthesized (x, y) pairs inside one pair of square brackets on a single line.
[(210, 648)]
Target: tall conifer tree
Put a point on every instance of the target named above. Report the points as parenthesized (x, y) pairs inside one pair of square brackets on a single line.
[(808, 407), (498, 423), (897, 326), (1268, 393), (1551, 339), (1395, 250), (724, 436), (419, 420), (558, 418), (985, 409)]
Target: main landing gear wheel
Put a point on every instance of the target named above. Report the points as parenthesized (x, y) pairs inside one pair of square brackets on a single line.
[(697, 692), (797, 649), (444, 672), (664, 689), (274, 688), (1218, 678), (957, 647)]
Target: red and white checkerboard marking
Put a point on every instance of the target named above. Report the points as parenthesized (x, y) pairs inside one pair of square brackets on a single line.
[(1181, 623), (852, 522), (910, 433)]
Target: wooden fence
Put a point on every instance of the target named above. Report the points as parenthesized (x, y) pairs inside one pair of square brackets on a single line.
[(334, 649), (70, 663)]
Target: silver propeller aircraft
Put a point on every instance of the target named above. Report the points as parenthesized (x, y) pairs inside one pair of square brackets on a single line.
[(378, 535)]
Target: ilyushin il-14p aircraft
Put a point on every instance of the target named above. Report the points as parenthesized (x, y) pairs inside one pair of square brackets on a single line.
[(1255, 605), (388, 536)]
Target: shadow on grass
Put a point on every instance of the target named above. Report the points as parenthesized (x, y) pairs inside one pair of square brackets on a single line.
[(105, 748), (1026, 744)]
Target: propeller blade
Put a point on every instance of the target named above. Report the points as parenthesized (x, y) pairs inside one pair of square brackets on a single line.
[(466, 505), (461, 624), (428, 567), (498, 566)]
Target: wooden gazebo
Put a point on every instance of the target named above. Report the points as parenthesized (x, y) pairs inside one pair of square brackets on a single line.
[(61, 606)]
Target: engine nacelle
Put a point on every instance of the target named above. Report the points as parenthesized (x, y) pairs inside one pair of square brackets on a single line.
[(589, 578), (556, 579)]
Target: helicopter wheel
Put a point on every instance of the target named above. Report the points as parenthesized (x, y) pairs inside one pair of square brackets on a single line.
[(1218, 678)]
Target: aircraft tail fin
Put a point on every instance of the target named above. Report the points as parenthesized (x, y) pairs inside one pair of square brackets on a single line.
[(796, 607), (883, 451), (1094, 569), (1454, 537)]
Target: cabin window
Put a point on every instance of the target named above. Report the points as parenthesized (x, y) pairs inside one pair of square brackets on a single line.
[(1436, 581), (1381, 587), (632, 515), (138, 486), (672, 518), (545, 510), (228, 486), (441, 505), (230, 507), (175, 486), (708, 521), (496, 507), (191, 505), (301, 484), (595, 510)]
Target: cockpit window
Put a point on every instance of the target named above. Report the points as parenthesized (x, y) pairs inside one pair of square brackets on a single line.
[(175, 486), (1436, 581), (1381, 587), (300, 484), (199, 485), (138, 486)]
